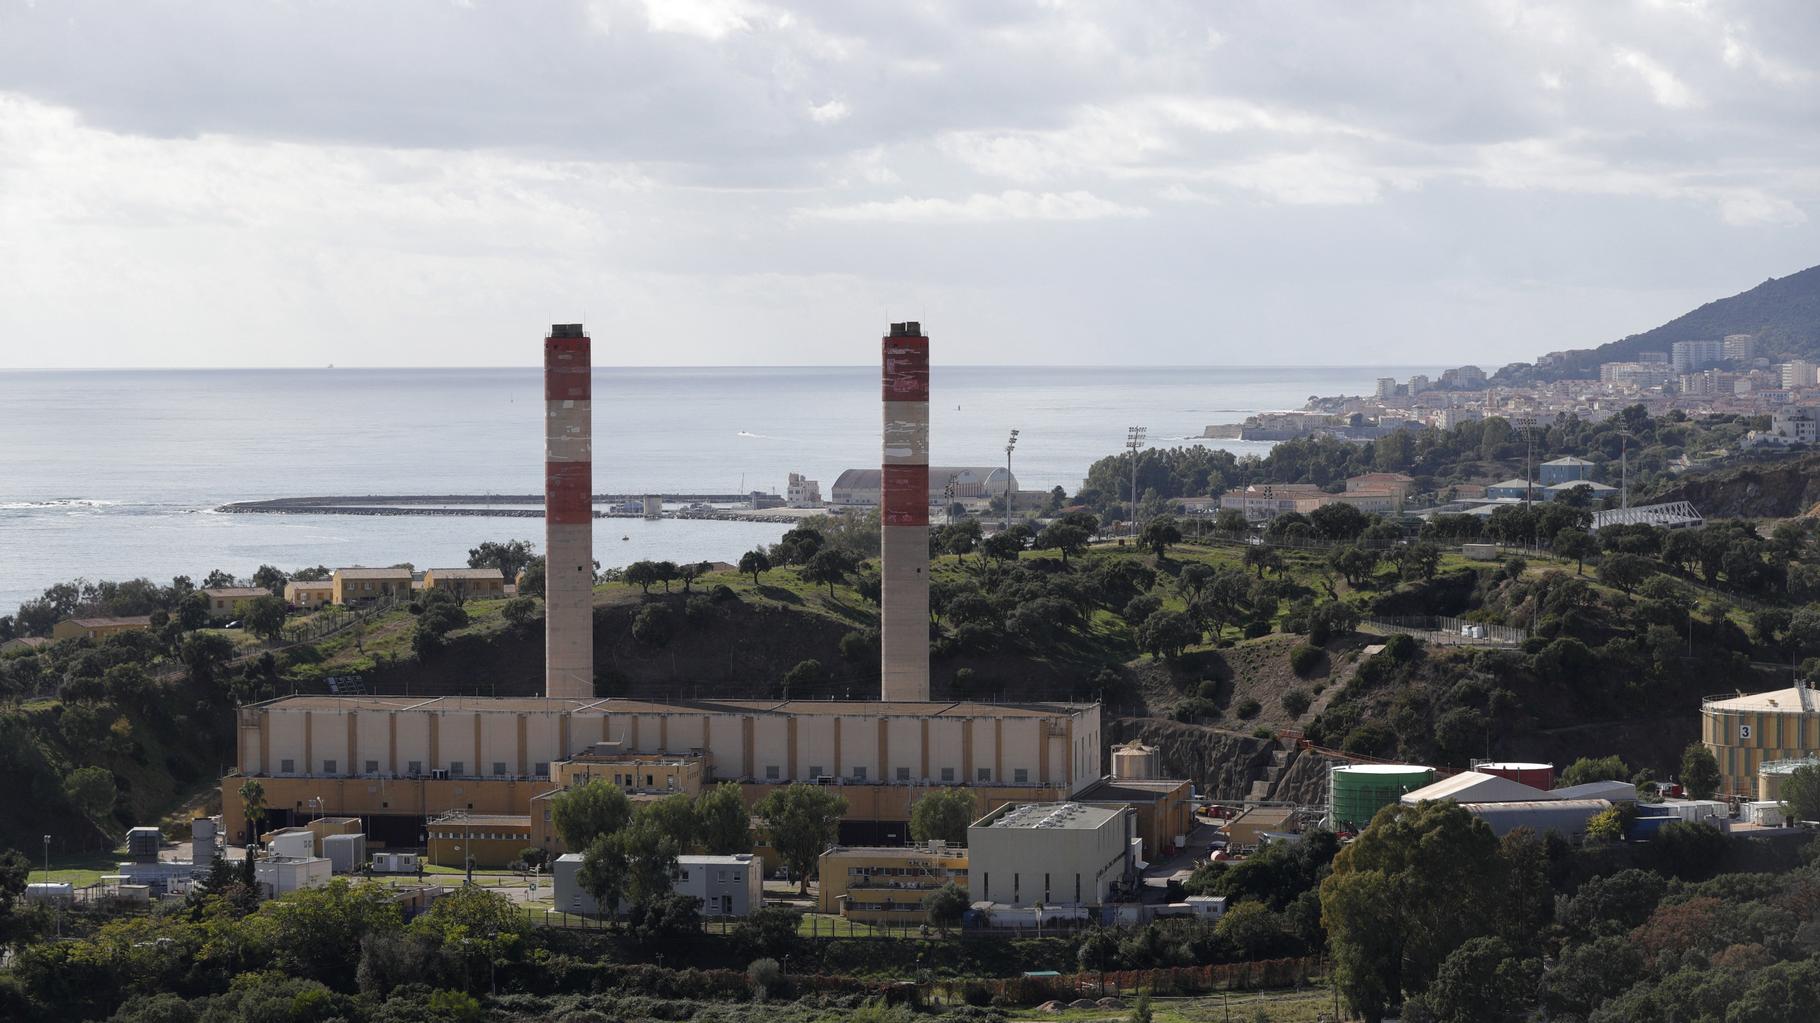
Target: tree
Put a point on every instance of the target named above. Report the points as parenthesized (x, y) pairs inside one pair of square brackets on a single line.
[(1231, 522), (1801, 793), (691, 571), (92, 791), (1591, 769), (252, 806), (204, 653), (1576, 544), (942, 815), (642, 574), (588, 811), (1063, 536), (1482, 981), (264, 617), (1624, 571), (827, 566), (509, 557), (479, 925), (1006, 544), (765, 976), (805, 675), (1419, 561), (1338, 521), (1262, 558), (754, 563), (603, 873), (1699, 771), (1353, 563), (1166, 634), (653, 625), (797, 546), (271, 579), (1159, 533), (218, 579), (724, 826), (519, 611), (801, 821), (946, 905), (532, 582), (671, 818)]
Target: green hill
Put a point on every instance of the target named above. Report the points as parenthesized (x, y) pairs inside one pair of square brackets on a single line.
[(1783, 313)]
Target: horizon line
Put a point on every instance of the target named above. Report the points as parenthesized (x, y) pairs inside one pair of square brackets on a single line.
[(727, 365)]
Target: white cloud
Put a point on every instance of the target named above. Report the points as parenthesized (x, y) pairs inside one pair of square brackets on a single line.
[(1667, 90), (828, 113), (708, 19), (979, 209)]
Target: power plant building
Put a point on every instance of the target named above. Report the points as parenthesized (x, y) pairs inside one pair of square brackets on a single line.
[(399, 762)]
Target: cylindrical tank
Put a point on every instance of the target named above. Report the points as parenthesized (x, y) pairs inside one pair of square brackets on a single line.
[(1356, 792), (1134, 761), (1536, 776)]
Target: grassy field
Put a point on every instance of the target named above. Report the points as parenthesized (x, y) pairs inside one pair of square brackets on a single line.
[(1307, 1005), (80, 870)]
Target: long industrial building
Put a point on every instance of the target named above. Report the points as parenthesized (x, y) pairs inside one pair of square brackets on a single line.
[(399, 761)]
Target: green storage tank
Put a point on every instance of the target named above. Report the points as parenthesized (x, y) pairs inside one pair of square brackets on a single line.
[(1356, 792)]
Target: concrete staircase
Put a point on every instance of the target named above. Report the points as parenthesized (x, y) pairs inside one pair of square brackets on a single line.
[(1261, 787)]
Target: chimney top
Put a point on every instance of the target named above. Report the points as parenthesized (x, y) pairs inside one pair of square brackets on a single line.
[(909, 328), (566, 330)]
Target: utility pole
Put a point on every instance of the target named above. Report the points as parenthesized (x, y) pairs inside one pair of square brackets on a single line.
[(1624, 471), (1134, 440), (1009, 444)]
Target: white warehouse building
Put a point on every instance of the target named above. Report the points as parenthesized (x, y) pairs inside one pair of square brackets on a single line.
[(1055, 854)]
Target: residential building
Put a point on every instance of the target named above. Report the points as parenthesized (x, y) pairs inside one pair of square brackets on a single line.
[(1268, 500), (1448, 418), (1740, 348), (309, 594), (1692, 356), (99, 628), (230, 601), (1521, 490), (1417, 384), (1635, 374), (1798, 373), (1055, 854), (1560, 470), (1788, 425), (398, 761), (1598, 491), (364, 585), (887, 884), (1387, 388), (467, 583), (1463, 378), (492, 840), (1396, 484), (728, 886), (803, 492), (1653, 357)]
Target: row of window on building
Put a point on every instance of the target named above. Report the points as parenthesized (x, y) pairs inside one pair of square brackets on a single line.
[(457, 768)]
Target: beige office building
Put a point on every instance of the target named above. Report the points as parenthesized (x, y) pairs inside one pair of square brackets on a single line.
[(1053, 854), (409, 758)]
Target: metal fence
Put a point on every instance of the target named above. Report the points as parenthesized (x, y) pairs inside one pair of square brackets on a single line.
[(1443, 630)]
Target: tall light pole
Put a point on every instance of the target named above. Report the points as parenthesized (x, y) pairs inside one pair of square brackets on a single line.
[(1009, 444), (1134, 439), (47, 858)]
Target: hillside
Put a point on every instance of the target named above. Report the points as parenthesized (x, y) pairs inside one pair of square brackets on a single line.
[(1783, 313), (1775, 488)]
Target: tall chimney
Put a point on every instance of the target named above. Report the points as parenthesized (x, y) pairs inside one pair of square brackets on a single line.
[(904, 501), (568, 514)]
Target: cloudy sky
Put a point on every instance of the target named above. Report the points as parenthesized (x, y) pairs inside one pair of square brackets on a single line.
[(293, 182)]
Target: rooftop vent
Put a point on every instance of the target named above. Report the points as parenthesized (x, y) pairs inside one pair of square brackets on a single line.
[(566, 330), (909, 328)]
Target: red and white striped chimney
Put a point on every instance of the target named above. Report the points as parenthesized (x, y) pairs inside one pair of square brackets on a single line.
[(568, 513), (904, 508)]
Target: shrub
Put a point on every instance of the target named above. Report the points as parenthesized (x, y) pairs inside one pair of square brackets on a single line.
[(1248, 708), (963, 681), (722, 593), (698, 609), (1296, 702), (1208, 690), (1261, 732), (1195, 709), (806, 674), (1402, 646), (766, 976), (653, 626), (1304, 660)]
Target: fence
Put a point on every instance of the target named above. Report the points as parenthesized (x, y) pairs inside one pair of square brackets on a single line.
[(331, 620), (1444, 631)]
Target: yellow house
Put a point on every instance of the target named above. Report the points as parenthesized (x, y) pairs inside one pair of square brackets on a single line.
[(309, 594), (362, 585), (887, 884), (467, 583), (493, 840), (98, 628), (225, 601)]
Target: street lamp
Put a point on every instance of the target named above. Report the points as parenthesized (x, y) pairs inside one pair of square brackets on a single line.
[(47, 858), (1134, 440), (1009, 444)]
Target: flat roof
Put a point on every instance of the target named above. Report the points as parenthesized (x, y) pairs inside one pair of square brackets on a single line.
[(1051, 817), (1796, 699), (1129, 790), (499, 819), (615, 705)]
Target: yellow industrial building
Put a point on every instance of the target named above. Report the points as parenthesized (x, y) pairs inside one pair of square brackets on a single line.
[(466, 583), (400, 761), (492, 840), (309, 594), (364, 585), (887, 884), (1745, 731), (98, 628)]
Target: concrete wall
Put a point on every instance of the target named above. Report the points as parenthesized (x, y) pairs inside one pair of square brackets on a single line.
[(1025, 866)]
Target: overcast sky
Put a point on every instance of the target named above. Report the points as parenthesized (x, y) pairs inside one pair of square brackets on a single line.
[(253, 183)]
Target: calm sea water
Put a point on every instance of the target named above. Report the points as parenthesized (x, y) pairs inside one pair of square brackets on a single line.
[(114, 474)]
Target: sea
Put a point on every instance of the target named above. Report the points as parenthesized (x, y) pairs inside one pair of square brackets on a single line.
[(114, 474)]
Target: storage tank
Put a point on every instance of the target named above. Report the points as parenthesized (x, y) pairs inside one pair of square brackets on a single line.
[(1356, 792), (1134, 761), (1536, 776)]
